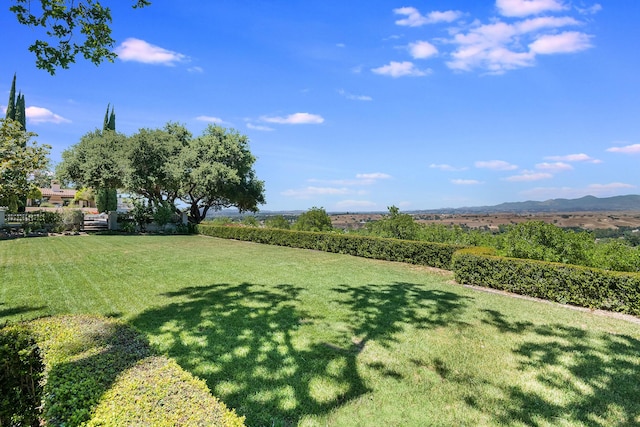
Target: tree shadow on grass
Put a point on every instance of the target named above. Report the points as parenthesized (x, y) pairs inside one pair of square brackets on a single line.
[(577, 376), (6, 313), (265, 355)]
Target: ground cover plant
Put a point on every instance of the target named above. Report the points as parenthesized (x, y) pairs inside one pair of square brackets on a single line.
[(297, 337)]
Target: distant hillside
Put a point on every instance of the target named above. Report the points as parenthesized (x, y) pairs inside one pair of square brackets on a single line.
[(583, 204)]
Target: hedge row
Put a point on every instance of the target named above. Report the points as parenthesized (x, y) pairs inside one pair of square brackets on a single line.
[(414, 252), (100, 372), (563, 283)]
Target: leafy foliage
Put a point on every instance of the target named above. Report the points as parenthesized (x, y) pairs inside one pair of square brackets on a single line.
[(96, 161), (19, 157), (567, 284), (395, 225), (277, 221), (546, 242), (423, 253), (21, 371), (62, 21), (315, 219), (101, 372)]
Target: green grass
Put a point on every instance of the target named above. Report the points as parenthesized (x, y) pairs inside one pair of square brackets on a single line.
[(295, 337)]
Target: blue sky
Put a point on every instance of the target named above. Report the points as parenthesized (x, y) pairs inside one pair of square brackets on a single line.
[(358, 105)]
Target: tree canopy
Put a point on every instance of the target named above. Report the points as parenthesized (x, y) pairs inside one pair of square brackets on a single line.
[(72, 27), (169, 166), (19, 159), (315, 219)]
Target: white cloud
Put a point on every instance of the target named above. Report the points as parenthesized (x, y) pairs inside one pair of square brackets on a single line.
[(354, 97), (422, 50), (259, 127), (592, 10), (535, 24), (375, 175), (447, 168), (489, 47), (43, 115), (400, 69), (295, 119), (137, 50), (580, 157), (554, 167), (567, 42), (210, 119), (465, 182), (196, 69), (415, 19), (627, 149), (315, 191), (355, 204), (498, 165), (527, 176), (519, 8), (360, 180)]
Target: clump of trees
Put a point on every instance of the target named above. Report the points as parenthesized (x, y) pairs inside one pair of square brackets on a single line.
[(530, 240), (169, 168)]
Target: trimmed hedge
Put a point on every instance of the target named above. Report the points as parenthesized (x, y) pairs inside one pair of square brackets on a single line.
[(100, 372), (414, 252), (21, 371), (563, 283)]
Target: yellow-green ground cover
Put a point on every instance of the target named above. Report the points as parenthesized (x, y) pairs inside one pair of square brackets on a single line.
[(297, 337)]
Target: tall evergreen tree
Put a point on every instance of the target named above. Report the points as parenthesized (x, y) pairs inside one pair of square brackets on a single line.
[(109, 119), (107, 198), (11, 106), (20, 112), (112, 119)]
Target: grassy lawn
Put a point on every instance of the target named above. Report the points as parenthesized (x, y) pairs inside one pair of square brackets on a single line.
[(295, 337)]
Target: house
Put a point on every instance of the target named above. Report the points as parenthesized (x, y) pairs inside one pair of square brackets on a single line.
[(58, 197)]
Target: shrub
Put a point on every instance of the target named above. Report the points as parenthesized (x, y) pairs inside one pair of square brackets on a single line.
[(277, 221), (21, 370), (563, 283), (423, 253), (315, 219), (102, 372), (72, 219)]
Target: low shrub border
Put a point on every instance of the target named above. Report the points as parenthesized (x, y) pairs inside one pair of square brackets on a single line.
[(102, 372), (563, 283), (21, 371), (415, 252)]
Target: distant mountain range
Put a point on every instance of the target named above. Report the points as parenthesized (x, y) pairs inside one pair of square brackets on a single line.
[(583, 204)]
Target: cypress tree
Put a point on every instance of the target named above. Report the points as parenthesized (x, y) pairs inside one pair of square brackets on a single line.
[(105, 123), (112, 119), (11, 106), (107, 198), (20, 113)]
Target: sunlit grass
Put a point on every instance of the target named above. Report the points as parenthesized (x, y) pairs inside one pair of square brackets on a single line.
[(291, 336)]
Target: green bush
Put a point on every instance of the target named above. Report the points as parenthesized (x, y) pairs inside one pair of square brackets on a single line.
[(315, 219), (415, 252), (563, 283), (72, 219), (277, 221), (102, 372), (21, 370)]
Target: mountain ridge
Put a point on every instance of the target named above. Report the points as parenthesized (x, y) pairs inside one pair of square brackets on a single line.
[(629, 202)]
